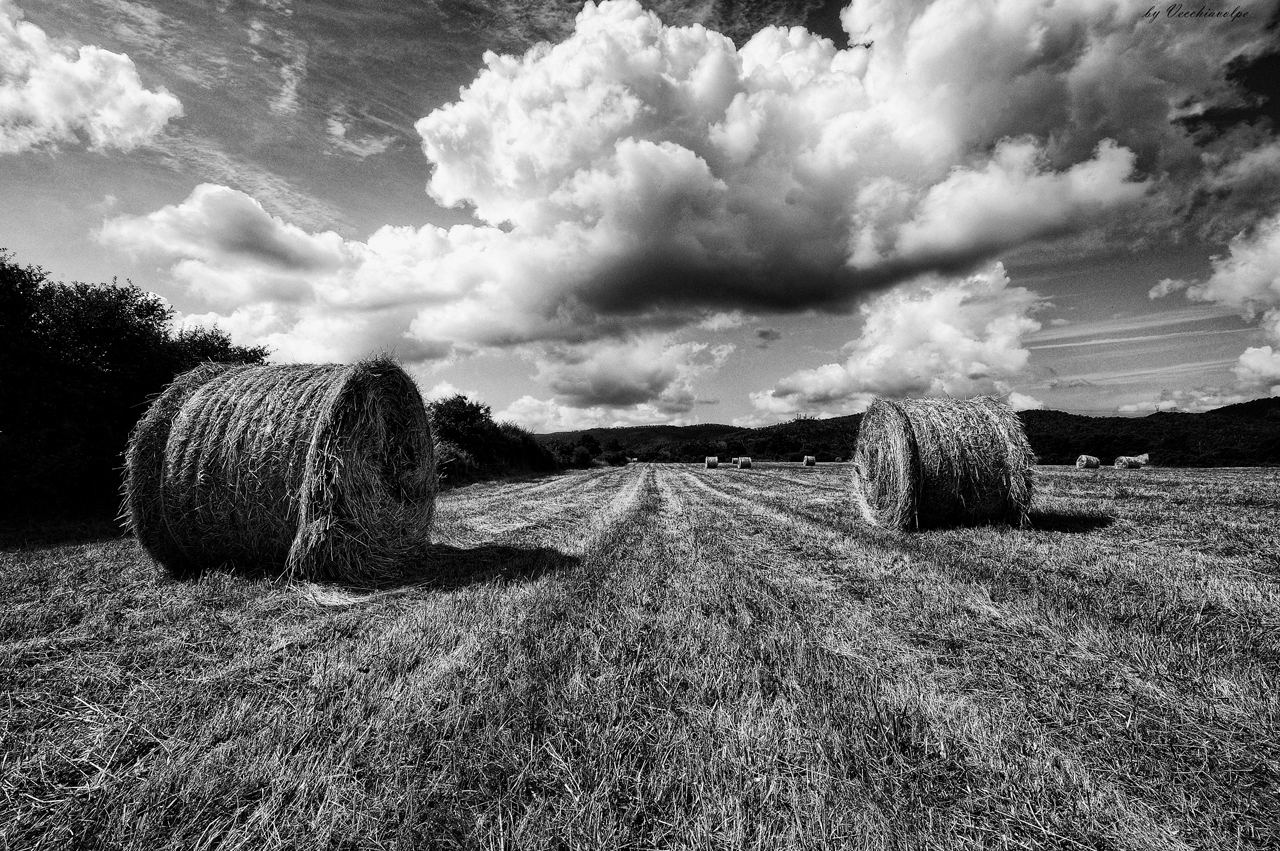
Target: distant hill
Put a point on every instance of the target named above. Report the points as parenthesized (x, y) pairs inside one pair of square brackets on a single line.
[(1243, 435)]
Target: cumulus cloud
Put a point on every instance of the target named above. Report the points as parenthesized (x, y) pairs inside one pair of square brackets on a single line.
[(52, 94), (637, 179), (1246, 279), (937, 337)]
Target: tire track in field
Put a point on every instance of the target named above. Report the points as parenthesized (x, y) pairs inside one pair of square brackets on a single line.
[(824, 480), (810, 567), (528, 515), (1082, 639)]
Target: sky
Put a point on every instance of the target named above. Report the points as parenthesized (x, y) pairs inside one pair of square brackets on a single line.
[(623, 213)]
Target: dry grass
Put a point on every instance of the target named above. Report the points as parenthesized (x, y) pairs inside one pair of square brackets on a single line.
[(922, 463), (662, 657), (319, 472)]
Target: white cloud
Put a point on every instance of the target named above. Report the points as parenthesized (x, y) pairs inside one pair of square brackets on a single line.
[(1247, 279), (1015, 198), (361, 147), (934, 338), (1166, 287), (1023, 402), (52, 94), (616, 374), (638, 179), (546, 415)]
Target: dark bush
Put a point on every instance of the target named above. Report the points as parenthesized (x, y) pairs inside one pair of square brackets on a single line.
[(78, 363), (473, 447)]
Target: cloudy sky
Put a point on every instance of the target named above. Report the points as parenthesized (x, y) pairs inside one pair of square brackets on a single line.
[(680, 211)]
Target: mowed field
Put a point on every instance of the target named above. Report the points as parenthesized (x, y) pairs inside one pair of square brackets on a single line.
[(663, 656)]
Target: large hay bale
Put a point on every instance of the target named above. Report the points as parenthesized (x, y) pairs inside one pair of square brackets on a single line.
[(810, 461), (1088, 462), (713, 461), (1131, 462), (322, 472), (919, 463), (744, 463)]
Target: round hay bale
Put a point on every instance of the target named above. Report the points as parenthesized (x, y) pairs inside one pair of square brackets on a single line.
[(713, 461), (744, 463), (1088, 462), (1130, 462), (810, 461), (1144, 459), (322, 472), (921, 463)]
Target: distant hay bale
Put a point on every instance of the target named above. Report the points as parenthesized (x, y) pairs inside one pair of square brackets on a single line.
[(1088, 462), (1144, 459), (713, 461), (810, 461), (744, 463), (920, 463), (1132, 462), (323, 472)]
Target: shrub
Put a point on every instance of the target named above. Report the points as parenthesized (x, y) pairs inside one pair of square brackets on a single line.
[(77, 365)]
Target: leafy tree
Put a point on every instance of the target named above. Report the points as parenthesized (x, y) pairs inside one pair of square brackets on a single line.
[(78, 363), (465, 430)]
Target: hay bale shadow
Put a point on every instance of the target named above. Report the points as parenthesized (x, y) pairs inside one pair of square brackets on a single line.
[(435, 566), (1054, 521), (447, 568), (47, 532)]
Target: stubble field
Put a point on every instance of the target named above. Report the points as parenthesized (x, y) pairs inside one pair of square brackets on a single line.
[(663, 656)]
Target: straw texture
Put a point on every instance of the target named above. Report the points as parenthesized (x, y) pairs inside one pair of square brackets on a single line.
[(921, 463), (320, 472)]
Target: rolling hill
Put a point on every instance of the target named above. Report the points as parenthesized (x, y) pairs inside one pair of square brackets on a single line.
[(1242, 435)]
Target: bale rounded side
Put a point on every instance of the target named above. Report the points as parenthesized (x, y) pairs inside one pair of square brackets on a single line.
[(713, 461), (1088, 462), (744, 463), (143, 488), (922, 463), (810, 461), (322, 472)]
